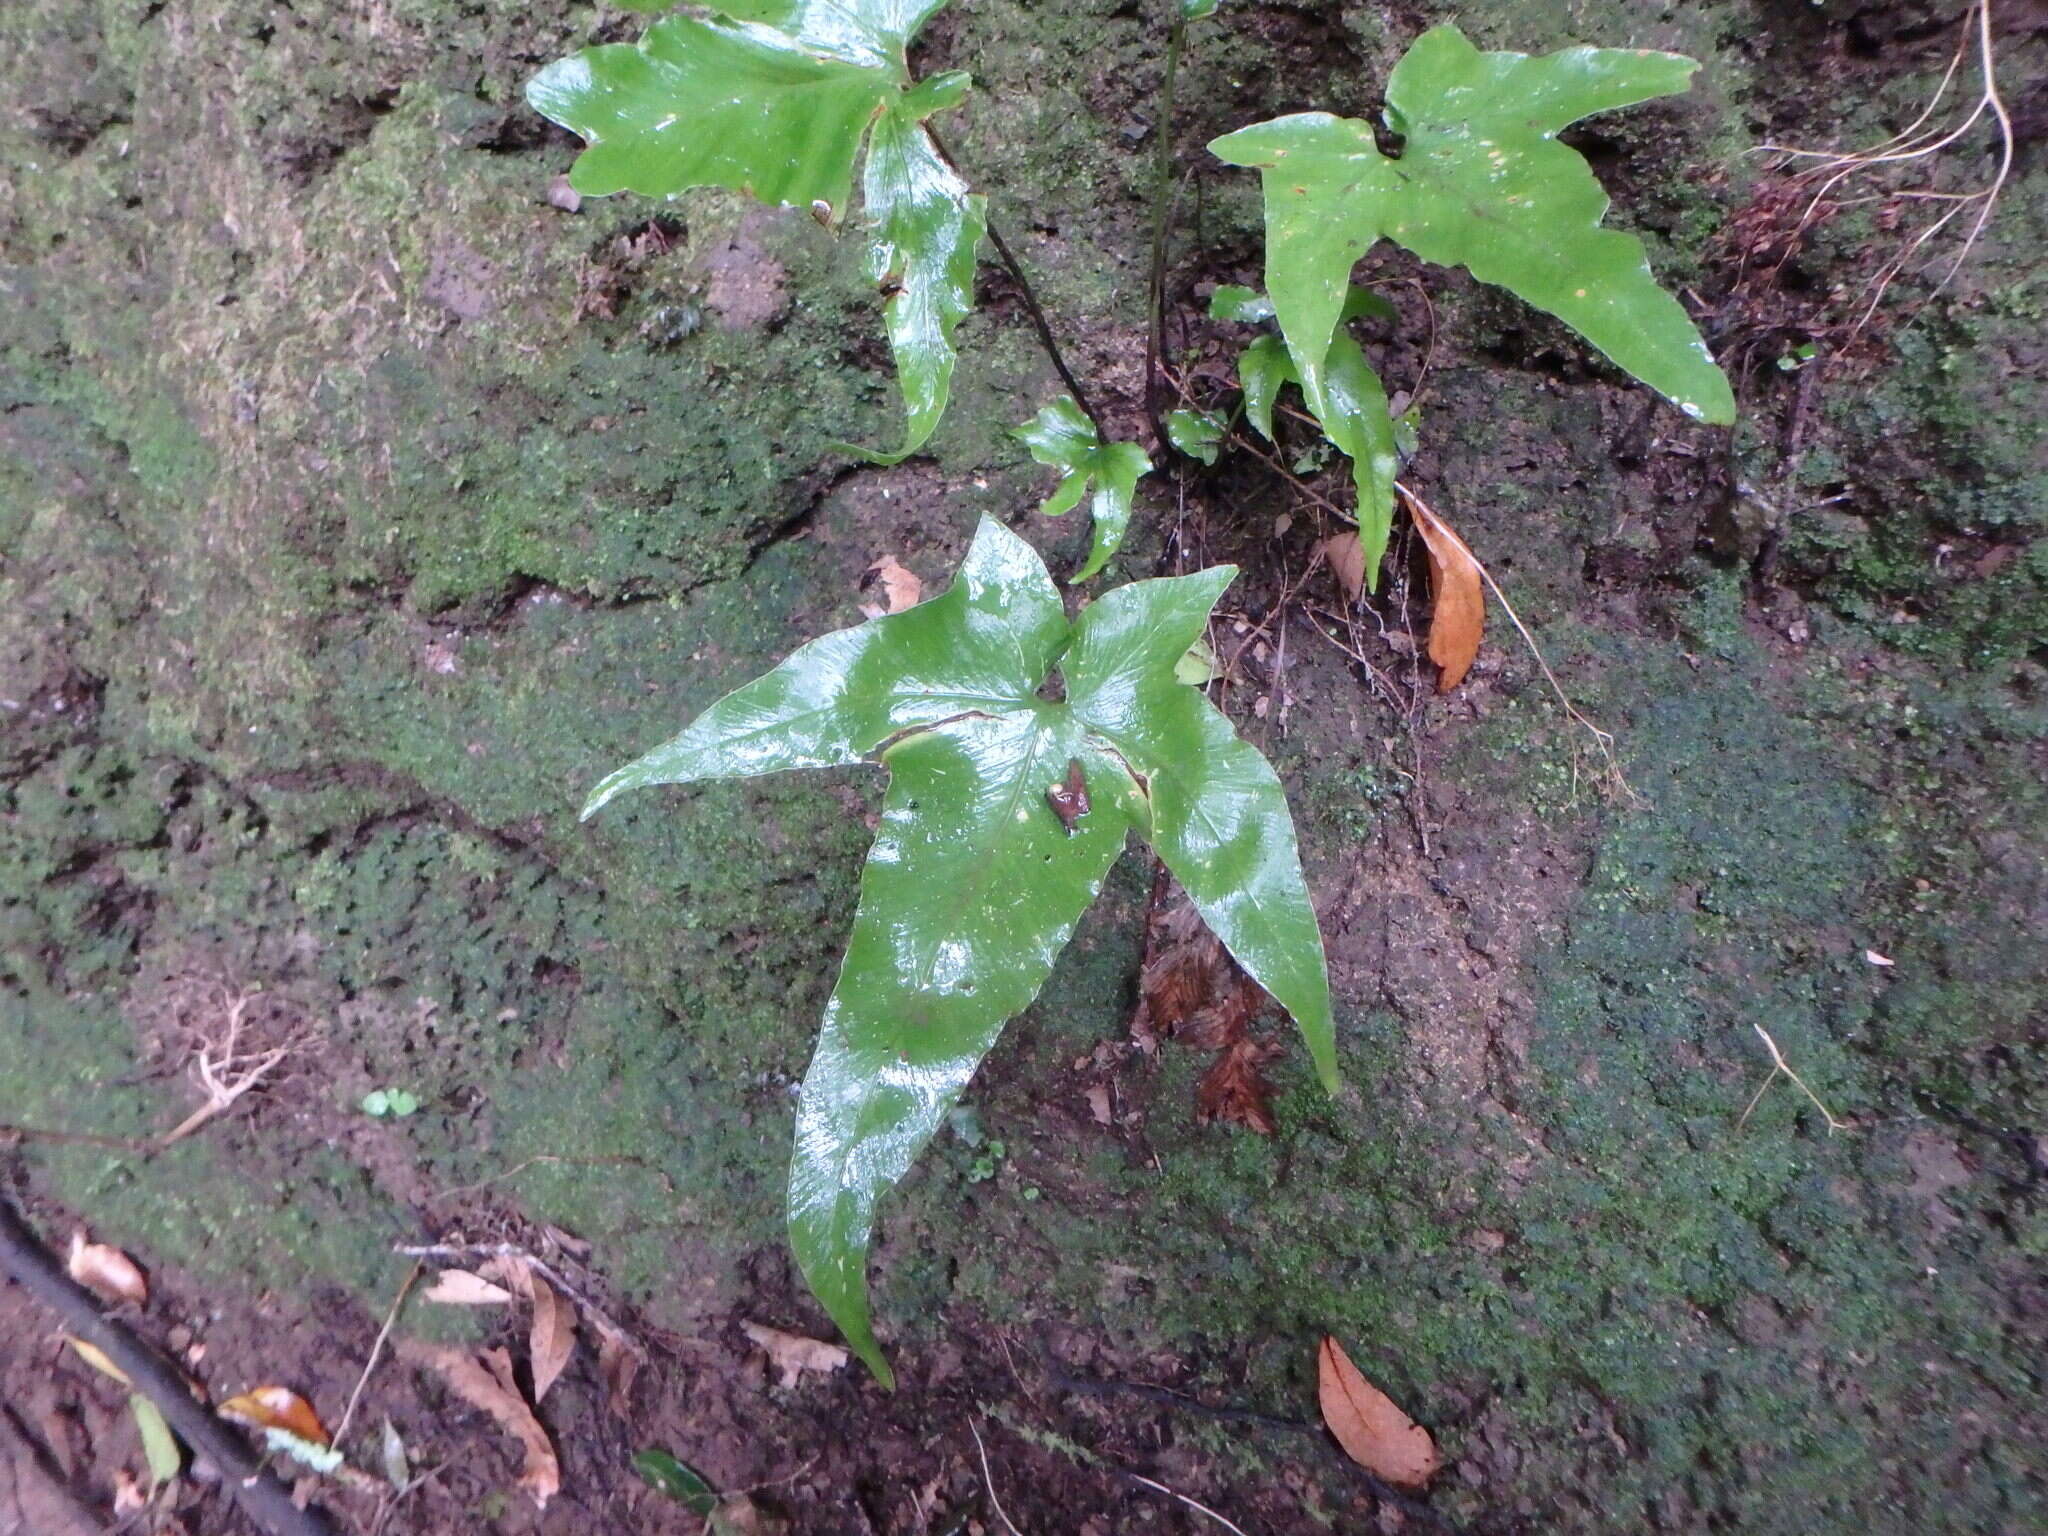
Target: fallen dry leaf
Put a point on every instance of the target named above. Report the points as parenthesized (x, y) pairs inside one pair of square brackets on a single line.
[(486, 1382), (1372, 1430), (1457, 597), (1234, 1089), (1192, 990), (96, 1357), (107, 1272), (1872, 957), (618, 1363), (1098, 1105), (896, 586), (552, 1339), (792, 1354), (460, 1288), (1347, 563), (276, 1408)]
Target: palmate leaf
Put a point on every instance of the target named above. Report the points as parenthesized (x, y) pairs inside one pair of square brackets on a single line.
[(774, 98), (1060, 435), (975, 882), (1481, 182)]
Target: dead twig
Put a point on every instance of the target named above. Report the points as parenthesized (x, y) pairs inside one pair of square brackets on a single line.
[(377, 1349), (1781, 1067), (1193, 1504)]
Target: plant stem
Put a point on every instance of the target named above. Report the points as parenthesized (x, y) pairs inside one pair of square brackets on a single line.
[(1032, 307), (1044, 329), (263, 1499), (1162, 192)]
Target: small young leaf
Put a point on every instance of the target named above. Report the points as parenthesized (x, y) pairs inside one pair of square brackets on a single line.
[(1195, 433), (1481, 182), (1062, 437), (1352, 408), (1233, 301), (1262, 369), (1198, 10), (661, 1471)]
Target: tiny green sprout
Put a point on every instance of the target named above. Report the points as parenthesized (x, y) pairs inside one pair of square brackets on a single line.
[(389, 1104)]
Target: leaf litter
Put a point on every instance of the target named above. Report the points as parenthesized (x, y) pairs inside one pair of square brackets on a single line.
[(1192, 991), (485, 1381), (1369, 1425)]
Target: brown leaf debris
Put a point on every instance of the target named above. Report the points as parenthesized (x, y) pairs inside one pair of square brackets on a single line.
[(1457, 596), (1373, 1431), (1192, 991), (552, 1340), (485, 1381)]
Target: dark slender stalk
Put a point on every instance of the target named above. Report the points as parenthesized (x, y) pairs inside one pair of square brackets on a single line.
[(1044, 329), (1162, 200), (265, 1500), (1039, 323)]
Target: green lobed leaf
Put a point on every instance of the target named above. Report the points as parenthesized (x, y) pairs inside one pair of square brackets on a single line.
[(1219, 815), (1481, 182), (986, 643), (927, 230), (1061, 436), (774, 98), (971, 891), (975, 882)]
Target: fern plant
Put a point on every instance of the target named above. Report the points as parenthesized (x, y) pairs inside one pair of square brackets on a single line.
[(1005, 808)]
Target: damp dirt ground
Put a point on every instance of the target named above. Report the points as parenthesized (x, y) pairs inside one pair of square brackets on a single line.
[(361, 504)]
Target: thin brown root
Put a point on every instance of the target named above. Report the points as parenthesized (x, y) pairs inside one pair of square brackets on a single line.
[(1781, 1067), (1916, 142)]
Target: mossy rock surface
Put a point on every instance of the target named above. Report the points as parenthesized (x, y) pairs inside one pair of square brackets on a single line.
[(360, 505)]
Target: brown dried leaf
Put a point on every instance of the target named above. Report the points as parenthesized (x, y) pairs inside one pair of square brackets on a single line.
[(1234, 1090), (792, 1354), (1098, 1105), (107, 1272), (896, 587), (486, 1382), (552, 1340), (511, 1271), (1457, 594), (618, 1363), (1192, 990), (1347, 563), (1373, 1431), (460, 1288), (276, 1408)]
